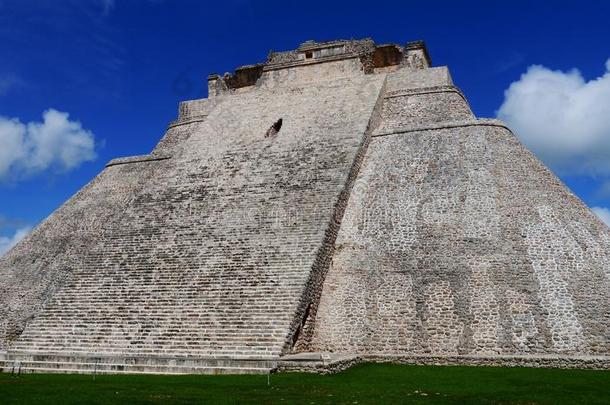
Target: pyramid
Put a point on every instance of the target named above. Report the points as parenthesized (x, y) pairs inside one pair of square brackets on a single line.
[(337, 203)]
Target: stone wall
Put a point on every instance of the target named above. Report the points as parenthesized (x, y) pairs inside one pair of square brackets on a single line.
[(458, 241), (333, 363), (424, 106)]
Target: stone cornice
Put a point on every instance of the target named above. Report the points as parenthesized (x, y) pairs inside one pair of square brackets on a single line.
[(426, 90), (136, 159), (196, 118), (446, 125)]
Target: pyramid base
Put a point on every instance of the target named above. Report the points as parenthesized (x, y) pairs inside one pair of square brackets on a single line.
[(334, 362), (96, 363)]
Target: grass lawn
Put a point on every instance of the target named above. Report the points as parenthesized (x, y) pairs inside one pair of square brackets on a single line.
[(366, 383)]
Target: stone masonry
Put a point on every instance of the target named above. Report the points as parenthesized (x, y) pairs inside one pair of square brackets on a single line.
[(339, 198)]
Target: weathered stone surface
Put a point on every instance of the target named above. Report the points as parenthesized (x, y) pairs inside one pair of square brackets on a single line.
[(34, 270), (216, 251), (380, 221), (459, 241)]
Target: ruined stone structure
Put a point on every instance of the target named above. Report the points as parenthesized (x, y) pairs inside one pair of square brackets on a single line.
[(337, 203)]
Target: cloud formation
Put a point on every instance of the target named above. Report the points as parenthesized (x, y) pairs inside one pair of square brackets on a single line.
[(6, 243), (602, 213), (562, 118), (55, 143)]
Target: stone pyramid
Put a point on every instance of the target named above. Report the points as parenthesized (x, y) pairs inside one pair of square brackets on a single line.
[(337, 203)]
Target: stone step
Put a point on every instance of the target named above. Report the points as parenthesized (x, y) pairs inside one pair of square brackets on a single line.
[(180, 339), (108, 364), (53, 368), (171, 350), (114, 298), (130, 358), (215, 340), (186, 318), (123, 351), (124, 340), (163, 371), (96, 290), (194, 314), (218, 350), (166, 324), (185, 335), (118, 366), (197, 329), (114, 348)]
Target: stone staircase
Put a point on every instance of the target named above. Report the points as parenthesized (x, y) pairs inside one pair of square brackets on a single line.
[(194, 277)]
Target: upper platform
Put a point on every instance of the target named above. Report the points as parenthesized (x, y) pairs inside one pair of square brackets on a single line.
[(366, 57)]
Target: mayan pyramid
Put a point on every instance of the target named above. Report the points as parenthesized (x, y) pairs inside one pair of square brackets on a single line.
[(336, 203)]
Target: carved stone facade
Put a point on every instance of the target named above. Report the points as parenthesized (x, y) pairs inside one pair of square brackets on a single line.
[(380, 218)]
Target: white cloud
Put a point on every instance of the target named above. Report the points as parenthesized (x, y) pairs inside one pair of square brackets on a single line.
[(562, 117), (31, 148), (6, 243), (602, 213)]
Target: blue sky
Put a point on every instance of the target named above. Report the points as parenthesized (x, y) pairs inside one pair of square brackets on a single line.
[(84, 81)]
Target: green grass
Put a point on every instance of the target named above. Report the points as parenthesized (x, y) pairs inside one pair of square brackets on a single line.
[(367, 383)]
